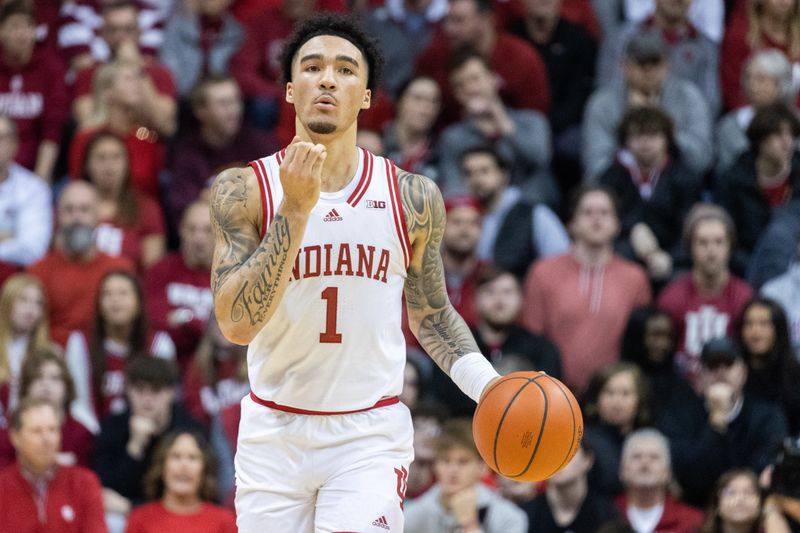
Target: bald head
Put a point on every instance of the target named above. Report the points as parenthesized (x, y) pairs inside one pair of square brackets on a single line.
[(197, 239)]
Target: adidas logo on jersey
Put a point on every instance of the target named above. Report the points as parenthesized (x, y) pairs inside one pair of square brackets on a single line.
[(382, 523), (332, 216)]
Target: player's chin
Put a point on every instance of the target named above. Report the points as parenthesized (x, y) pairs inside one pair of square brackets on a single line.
[(322, 127)]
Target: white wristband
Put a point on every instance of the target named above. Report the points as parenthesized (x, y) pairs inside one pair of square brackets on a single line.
[(472, 373)]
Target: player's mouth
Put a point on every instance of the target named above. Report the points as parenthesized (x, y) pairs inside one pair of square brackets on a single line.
[(325, 101)]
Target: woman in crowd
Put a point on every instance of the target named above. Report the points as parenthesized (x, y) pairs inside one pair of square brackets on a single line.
[(120, 331), (773, 372), (737, 506), (617, 401), (180, 484), (132, 224), (23, 330)]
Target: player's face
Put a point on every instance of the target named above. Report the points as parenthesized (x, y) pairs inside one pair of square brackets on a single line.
[(710, 247), (645, 465), (739, 501), (484, 176), (462, 231), (595, 222), (38, 440), (329, 84), (119, 303), (618, 400), (183, 467), (457, 469), (27, 310), (500, 301), (758, 331)]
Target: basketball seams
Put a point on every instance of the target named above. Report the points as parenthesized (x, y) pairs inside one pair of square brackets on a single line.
[(570, 452), (541, 428), (502, 418)]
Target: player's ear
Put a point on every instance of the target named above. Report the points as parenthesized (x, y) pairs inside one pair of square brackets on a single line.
[(367, 99), (289, 94)]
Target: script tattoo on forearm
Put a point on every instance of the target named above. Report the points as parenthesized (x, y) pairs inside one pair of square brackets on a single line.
[(255, 299), (442, 332)]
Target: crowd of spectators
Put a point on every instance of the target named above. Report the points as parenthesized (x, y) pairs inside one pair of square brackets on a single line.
[(622, 185)]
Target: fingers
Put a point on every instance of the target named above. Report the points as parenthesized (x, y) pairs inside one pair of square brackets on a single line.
[(321, 155)]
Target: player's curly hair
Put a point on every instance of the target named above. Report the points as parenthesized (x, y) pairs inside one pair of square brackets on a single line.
[(343, 26)]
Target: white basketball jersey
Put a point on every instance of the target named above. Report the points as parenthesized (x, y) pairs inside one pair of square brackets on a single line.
[(335, 341)]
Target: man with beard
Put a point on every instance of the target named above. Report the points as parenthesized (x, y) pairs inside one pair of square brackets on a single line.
[(72, 270)]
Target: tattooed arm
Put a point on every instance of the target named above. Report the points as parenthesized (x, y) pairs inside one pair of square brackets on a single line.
[(249, 275), (439, 328)]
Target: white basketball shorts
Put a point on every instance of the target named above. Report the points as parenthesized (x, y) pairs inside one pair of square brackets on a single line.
[(298, 473)]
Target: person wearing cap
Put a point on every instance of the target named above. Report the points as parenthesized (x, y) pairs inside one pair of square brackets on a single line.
[(647, 81), (693, 55), (721, 427)]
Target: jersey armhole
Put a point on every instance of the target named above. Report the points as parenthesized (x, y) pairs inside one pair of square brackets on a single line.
[(397, 211), (267, 210)]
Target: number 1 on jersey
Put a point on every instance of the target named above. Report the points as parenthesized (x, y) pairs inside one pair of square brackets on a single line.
[(331, 295)]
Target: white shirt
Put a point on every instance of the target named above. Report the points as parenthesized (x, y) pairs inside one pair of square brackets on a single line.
[(26, 213), (645, 520)]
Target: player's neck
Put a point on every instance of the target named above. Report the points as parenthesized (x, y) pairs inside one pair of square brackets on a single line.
[(342, 159)]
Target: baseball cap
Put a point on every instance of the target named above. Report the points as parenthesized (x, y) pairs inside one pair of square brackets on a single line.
[(646, 47), (718, 351)]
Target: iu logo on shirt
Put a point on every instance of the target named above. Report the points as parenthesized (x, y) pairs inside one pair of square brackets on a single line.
[(332, 216)]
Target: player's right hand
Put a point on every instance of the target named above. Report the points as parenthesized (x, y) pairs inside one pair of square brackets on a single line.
[(301, 171)]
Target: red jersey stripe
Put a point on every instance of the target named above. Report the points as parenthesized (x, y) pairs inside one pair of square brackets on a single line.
[(256, 166), (272, 405), (269, 214), (364, 180), (397, 212)]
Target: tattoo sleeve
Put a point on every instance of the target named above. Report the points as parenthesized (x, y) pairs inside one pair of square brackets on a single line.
[(249, 275), (439, 328)]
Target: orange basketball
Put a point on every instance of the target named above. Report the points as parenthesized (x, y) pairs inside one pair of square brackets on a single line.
[(527, 426)]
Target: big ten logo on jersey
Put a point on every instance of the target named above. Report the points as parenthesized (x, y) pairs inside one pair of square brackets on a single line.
[(344, 259), (198, 299), (376, 204), (702, 325)]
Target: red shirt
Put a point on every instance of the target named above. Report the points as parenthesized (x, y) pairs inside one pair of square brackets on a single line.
[(72, 504), (779, 194), (520, 88), (676, 518), (158, 73), (72, 287), (36, 97), (171, 286), (146, 154), (700, 318), (203, 399), (155, 518), (75, 440), (116, 239)]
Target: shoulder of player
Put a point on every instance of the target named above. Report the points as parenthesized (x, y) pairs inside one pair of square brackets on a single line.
[(422, 201), (236, 185)]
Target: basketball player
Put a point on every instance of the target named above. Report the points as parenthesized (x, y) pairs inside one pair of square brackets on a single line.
[(315, 245)]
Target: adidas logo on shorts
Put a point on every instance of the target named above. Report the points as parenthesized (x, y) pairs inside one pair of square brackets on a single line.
[(382, 523), (332, 216)]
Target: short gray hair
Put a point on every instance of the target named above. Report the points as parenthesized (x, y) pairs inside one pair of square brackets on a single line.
[(646, 434), (773, 63)]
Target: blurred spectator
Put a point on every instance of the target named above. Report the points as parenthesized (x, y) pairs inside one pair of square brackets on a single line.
[(582, 299), (47, 19), (692, 55), (708, 16), (127, 441), (617, 402), (26, 212), (470, 24), (766, 79), (256, 65), (415, 385), (764, 178), (784, 290), (81, 30), (181, 484), (521, 137), (220, 141), (71, 271), (121, 332), (569, 504), (409, 140), (38, 493), (737, 504), (131, 223), (32, 89), (177, 288), (707, 302), (458, 501), (403, 30), (654, 187), (23, 331), (772, 371), (223, 436), (515, 232), (199, 40), (427, 418), (646, 473), (121, 34), (498, 301), (783, 503), (118, 94), (45, 377), (647, 82), (775, 252), (769, 24), (650, 342), (722, 427), (217, 376), (461, 265)]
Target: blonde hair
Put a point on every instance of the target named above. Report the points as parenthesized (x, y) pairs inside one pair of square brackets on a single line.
[(39, 337), (103, 80), (756, 27)]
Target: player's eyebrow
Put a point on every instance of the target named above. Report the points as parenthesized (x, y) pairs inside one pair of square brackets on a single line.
[(347, 59), (340, 57)]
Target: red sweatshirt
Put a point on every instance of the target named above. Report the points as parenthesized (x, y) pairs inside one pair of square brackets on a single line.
[(677, 517), (72, 504), (154, 518)]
